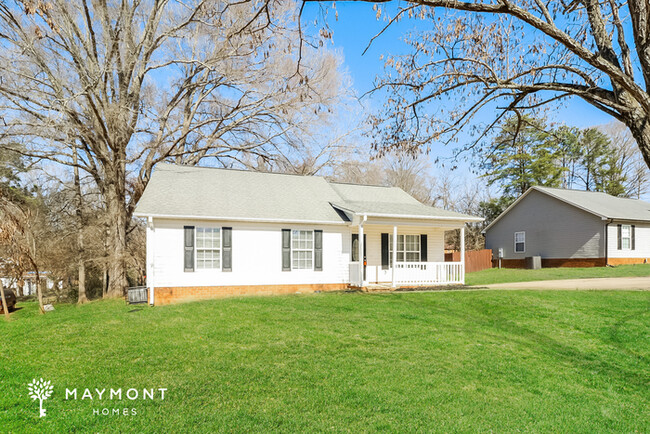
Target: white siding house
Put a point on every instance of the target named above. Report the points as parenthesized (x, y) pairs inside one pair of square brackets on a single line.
[(214, 232), (571, 228)]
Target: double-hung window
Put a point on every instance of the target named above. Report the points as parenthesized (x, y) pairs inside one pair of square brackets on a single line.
[(520, 242), (208, 248), (408, 248), (626, 237), (302, 249)]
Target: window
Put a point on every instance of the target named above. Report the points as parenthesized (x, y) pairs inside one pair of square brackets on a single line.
[(408, 248), (208, 248), (302, 249), (520, 242), (626, 237)]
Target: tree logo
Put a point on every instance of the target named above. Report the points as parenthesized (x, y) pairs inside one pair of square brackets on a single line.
[(40, 390)]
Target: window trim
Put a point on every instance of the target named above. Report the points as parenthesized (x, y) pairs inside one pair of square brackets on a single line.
[(522, 242), (404, 251), (219, 249), (312, 250), (628, 237)]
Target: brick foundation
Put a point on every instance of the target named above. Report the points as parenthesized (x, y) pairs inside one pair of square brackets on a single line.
[(573, 262), (555, 262), (178, 294), (626, 261), (509, 263)]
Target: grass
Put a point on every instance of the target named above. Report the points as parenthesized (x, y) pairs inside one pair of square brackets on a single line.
[(574, 361), (505, 275)]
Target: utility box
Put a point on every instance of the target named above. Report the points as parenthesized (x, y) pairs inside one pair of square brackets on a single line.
[(533, 262), (137, 294)]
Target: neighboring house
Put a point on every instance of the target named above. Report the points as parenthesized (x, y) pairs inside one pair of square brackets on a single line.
[(571, 228), (27, 285), (214, 232)]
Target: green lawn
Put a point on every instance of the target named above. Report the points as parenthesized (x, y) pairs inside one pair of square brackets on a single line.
[(504, 275), (557, 361)]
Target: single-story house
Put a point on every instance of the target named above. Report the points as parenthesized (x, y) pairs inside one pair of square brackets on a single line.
[(26, 285), (214, 232), (571, 228)]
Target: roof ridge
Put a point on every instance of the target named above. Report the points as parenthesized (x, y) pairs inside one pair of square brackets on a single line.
[(363, 185), (235, 169), (538, 187), (569, 189)]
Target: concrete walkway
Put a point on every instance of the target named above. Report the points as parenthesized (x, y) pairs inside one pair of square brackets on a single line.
[(634, 283)]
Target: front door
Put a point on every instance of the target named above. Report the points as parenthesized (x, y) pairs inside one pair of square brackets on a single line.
[(355, 251)]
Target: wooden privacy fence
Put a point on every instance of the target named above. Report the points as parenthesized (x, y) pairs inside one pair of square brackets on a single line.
[(475, 260)]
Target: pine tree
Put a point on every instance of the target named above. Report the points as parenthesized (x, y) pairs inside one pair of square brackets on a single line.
[(523, 155)]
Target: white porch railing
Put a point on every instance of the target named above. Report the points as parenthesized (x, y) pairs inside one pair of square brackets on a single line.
[(429, 273), (419, 273)]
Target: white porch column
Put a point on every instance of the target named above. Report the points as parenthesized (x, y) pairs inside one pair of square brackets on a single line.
[(393, 259), (462, 253), (361, 253), (151, 238)]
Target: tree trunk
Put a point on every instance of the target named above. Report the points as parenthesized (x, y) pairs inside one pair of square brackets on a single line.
[(39, 292), (20, 288), (81, 297), (104, 280), (117, 216), (4, 301), (639, 126)]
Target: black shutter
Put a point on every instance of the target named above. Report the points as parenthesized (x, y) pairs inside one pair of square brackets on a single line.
[(286, 249), (226, 264), (423, 248), (384, 252), (632, 241), (620, 235), (354, 254), (189, 248), (318, 250)]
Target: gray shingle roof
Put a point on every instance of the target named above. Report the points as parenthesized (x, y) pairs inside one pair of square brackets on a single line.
[(183, 191), (602, 204)]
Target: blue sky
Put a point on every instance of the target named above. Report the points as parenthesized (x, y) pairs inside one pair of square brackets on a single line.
[(355, 27)]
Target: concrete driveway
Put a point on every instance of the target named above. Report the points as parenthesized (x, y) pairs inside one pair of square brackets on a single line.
[(628, 283)]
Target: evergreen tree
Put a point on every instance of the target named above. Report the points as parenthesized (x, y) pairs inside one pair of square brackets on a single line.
[(523, 155), (599, 169), (12, 166)]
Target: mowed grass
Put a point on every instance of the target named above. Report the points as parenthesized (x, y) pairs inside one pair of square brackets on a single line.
[(505, 275), (556, 361)]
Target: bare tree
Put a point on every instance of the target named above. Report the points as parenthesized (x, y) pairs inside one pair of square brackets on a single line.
[(17, 243), (130, 83), (413, 175), (500, 56), (635, 173)]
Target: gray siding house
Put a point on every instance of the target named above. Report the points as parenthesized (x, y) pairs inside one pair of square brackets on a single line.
[(571, 228)]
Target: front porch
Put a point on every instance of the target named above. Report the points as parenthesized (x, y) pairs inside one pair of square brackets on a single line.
[(416, 274), (404, 254)]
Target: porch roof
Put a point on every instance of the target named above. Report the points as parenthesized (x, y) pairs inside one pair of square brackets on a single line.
[(415, 210)]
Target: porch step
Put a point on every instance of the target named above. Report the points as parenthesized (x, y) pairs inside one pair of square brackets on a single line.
[(371, 287)]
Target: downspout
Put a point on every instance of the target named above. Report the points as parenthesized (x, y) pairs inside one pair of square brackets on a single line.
[(150, 274), (607, 241)]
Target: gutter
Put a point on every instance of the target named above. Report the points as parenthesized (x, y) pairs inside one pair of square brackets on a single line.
[(238, 219)]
